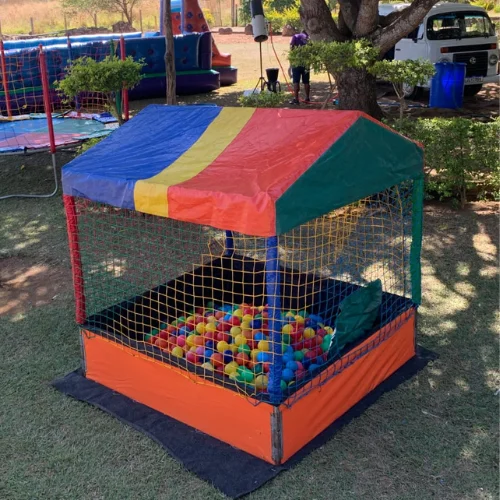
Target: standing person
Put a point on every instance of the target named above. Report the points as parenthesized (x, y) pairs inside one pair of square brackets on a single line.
[(299, 72)]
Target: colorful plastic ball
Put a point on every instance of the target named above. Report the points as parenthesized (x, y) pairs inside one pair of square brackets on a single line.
[(298, 355), (290, 314), (292, 365), (287, 375), (222, 346), (200, 328), (178, 352), (253, 354), (255, 324), (210, 327), (211, 319), (228, 356), (231, 368), (217, 360), (238, 312), (244, 348), (200, 351), (161, 343), (235, 330), (299, 319), (181, 340), (245, 375), (309, 333), (328, 330), (259, 336), (233, 348), (242, 358), (199, 340), (263, 345), (208, 354), (257, 367), (261, 382), (287, 357), (300, 374), (304, 314), (234, 321), (191, 357), (313, 367), (283, 385), (223, 337), (310, 343), (219, 315), (240, 339), (288, 329), (210, 344), (264, 357), (207, 366)]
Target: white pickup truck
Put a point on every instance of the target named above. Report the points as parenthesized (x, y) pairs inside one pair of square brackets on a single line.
[(452, 32)]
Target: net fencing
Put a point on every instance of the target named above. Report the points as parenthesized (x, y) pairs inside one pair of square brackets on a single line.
[(267, 317), (29, 97)]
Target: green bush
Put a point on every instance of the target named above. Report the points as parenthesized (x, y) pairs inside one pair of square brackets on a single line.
[(264, 100), (209, 18), (461, 156), (288, 16), (108, 77)]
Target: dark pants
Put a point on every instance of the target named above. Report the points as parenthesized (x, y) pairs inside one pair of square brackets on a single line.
[(298, 72)]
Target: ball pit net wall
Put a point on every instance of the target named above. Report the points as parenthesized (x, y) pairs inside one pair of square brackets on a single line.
[(28, 93), (255, 315)]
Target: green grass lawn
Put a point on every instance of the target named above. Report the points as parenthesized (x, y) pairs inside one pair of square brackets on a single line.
[(436, 436)]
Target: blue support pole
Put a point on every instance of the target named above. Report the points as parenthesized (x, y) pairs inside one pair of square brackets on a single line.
[(229, 245), (273, 296)]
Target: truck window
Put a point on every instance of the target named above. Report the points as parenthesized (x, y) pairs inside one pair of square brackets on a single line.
[(451, 25)]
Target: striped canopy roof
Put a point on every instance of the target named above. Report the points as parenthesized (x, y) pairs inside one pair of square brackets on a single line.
[(256, 171)]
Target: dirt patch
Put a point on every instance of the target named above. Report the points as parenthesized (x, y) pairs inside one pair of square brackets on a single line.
[(24, 285)]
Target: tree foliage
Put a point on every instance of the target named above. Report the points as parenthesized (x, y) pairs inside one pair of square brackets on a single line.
[(125, 7), (401, 73), (108, 77), (460, 156), (91, 7)]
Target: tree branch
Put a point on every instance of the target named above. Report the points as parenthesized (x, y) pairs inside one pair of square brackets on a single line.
[(389, 19), (403, 24), (367, 20), (318, 22), (349, 10)]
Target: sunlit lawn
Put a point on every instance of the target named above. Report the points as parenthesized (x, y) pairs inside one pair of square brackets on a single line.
[(436, 436)]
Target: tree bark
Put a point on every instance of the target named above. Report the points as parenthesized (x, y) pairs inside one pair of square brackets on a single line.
[(169, 54), (360, 19), (358, 90)]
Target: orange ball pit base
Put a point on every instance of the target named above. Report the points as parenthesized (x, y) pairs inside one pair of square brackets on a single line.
[(272, 433)]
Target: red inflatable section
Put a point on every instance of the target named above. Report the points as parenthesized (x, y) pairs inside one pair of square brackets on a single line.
[(194, 21)]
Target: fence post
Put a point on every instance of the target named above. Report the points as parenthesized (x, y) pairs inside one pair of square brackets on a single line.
[(125, 90), (65, 23), (140, 21), (46, 99), (5, 80), (32, 26)]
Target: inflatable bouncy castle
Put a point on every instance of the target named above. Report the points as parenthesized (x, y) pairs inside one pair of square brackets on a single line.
[(187, 18)]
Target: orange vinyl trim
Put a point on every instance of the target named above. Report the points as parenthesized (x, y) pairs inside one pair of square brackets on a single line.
[(212, 409), (324, 404)]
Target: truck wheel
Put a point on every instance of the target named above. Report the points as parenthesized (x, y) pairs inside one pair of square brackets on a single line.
[(412, 91), (471, 90)]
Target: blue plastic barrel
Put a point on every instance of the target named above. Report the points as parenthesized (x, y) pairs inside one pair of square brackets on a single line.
[(447, 85)]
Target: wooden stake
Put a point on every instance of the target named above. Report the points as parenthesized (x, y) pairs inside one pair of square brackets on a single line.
[(32, 26), (140, 21), (169, 53)]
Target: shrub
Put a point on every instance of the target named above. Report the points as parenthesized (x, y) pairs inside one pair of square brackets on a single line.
[(263, 100), (288, 16), (108, 77), (209, 18), (460, 155)]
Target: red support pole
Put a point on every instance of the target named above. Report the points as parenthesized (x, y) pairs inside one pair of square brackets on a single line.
[(5, 80), (125, 91), (46, 99), (76, 259)]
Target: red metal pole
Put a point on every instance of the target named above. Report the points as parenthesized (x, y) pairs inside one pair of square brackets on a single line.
[(5, 80), (125, 91), (46, 99), (76, 259)]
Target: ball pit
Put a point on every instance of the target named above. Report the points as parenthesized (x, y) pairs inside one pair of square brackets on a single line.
[(234, 341)]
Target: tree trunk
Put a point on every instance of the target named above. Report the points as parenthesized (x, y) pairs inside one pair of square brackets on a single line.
[(358, 90), (169, 53)]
